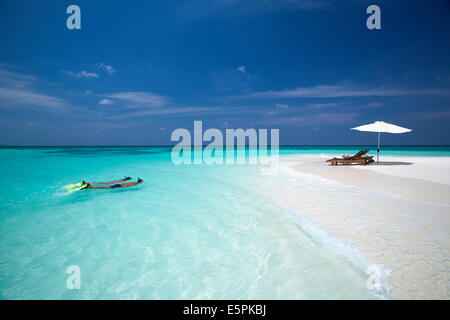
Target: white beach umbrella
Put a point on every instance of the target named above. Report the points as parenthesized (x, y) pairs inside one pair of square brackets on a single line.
[(381, 126)]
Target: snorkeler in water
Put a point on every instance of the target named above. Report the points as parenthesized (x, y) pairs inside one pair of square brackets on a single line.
[(108, 182), (114, 186)]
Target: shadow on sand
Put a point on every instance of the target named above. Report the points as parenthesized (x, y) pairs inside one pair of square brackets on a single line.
[(391, 163)]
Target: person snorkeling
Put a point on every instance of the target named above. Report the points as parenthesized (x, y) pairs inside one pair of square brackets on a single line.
[(114, 186), (81, 184), (126, 178)]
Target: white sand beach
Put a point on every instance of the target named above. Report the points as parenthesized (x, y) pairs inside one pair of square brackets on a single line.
[(396, 213), (419, 178)]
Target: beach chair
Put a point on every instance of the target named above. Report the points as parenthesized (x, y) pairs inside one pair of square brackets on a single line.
[(359, 158), (369, 159)]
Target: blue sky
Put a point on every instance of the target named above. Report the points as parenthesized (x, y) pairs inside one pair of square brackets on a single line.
[(139, 69)]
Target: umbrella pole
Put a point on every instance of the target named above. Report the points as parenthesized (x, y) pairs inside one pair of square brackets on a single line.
[(378, 149)]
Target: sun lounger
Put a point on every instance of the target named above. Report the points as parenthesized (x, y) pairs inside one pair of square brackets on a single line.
[(359, 158)]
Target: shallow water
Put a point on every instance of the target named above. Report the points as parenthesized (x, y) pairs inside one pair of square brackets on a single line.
[(188, 232)]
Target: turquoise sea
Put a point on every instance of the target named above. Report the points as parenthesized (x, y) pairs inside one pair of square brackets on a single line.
[(187, 232)]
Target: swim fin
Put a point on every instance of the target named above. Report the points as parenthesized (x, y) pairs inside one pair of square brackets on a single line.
[(84, 186), (78, 188), (73, 185)]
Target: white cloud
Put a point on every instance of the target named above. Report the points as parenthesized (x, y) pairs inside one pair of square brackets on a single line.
[(429, 115), (18, 89), (106, 67), (81, 74), (306, 120), (110, 69), (13, 96), (242, 69), (139, 98), (323, 105), (14, 79), (106, 101), (336, 91), (188, 110), (167, 111), (281, 106)]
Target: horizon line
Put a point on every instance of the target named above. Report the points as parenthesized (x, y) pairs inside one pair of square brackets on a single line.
[(173, 145)]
